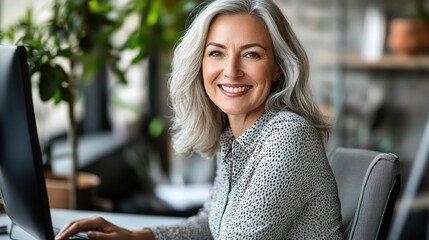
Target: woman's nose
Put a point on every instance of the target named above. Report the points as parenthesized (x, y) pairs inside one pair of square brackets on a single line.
[(232, 68)]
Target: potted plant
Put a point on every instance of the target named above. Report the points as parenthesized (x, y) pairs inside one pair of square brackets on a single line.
[(409, 35), (65, 52)]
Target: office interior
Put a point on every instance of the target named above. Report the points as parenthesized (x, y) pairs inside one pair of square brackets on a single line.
[(374, 91)]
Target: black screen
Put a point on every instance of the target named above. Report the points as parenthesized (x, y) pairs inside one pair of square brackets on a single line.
[(22, 179)]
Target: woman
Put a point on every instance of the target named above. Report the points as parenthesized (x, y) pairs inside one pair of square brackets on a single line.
[(239, 91)]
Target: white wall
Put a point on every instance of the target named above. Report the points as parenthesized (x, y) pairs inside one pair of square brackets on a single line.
[(12, 10)]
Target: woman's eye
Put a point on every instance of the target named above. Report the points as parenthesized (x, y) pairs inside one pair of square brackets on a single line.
[(215, 54), (252, 55)]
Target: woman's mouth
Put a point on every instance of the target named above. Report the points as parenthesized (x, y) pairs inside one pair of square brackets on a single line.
[(235, 89)]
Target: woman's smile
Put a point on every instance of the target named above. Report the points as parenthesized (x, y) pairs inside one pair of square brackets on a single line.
[(234, 90)]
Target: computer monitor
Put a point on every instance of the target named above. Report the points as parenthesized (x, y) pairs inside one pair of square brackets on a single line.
[(22, 180)]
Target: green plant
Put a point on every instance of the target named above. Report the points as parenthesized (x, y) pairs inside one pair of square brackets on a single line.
[(161, 24), (67, 50)]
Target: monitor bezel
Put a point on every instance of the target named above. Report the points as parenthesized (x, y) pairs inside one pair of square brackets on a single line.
[(38, 222)]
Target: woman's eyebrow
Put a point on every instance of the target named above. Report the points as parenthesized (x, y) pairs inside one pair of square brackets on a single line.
[(250, 45), (215, 45), (246, 46)]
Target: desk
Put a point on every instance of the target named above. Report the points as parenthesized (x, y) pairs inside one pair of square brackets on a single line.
[(61, 216)]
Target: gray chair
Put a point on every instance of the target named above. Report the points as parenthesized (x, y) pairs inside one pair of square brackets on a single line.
[(368, 185)]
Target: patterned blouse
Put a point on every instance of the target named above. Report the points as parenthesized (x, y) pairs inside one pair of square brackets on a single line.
[(272, 182)]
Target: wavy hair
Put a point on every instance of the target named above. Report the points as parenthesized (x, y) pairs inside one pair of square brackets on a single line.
[(197, 122)]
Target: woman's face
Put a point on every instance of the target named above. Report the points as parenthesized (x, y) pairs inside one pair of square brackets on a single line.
[(239, 65)]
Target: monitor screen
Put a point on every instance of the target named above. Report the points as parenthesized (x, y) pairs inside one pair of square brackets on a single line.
[(22, 179)]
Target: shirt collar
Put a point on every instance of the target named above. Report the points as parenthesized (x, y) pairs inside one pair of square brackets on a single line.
[(249, 138)]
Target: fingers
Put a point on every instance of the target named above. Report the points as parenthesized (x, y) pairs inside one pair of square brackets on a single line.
[(96, 228), (92, 223), (94, 235)]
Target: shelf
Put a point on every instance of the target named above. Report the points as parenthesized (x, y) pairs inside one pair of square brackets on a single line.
[(387, 62)]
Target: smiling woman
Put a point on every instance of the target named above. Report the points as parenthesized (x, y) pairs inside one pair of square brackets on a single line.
[(239, 93), (239, 68)]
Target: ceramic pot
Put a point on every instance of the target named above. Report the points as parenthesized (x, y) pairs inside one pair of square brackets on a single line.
[(58, 189), (408, 36)]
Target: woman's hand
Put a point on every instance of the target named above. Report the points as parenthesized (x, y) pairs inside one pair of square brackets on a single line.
[(98, 228)]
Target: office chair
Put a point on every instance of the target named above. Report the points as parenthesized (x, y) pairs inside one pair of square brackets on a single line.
[(368, 185)]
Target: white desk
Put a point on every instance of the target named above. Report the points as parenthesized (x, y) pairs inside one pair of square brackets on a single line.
[(60, 217)]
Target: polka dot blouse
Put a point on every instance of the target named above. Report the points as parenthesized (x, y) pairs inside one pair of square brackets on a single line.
[(272, 182)]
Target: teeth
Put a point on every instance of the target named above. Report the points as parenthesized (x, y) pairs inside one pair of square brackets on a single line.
[(235, 89)]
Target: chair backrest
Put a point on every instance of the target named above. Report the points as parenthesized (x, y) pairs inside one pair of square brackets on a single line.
[(368, 185)]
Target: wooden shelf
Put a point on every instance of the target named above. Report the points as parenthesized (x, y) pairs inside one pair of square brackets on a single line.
[(387, 62)]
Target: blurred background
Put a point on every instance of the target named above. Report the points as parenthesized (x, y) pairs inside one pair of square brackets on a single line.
[(369, 73)]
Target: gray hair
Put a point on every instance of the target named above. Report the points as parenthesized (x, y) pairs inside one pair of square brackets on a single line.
[(197, 122)]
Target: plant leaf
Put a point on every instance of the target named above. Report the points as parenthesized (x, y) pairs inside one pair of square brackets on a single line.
[(51, 79)]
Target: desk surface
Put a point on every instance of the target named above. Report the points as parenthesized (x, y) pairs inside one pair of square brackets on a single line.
[(61, 216)]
